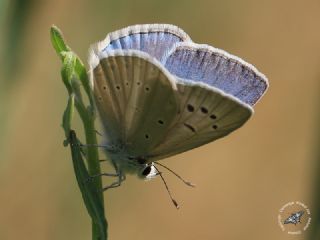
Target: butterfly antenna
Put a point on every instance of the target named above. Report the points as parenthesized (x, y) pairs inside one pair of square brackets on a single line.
[(165, 184), (190, 184)]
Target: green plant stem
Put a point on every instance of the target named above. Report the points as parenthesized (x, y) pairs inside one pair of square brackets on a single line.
[(74, 75), (87, 117), (92, 158)]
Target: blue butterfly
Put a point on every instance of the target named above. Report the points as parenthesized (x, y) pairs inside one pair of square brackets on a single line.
[(159, 94)]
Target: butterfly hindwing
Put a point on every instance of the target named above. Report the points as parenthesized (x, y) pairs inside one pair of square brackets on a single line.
[(206, 114)]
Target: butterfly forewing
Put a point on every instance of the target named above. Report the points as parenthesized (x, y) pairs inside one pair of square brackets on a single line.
[(212, 66), (107, 100), (154, 39), (136, 99)]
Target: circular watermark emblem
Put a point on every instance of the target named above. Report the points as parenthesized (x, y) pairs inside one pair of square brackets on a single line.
[(294, 217)]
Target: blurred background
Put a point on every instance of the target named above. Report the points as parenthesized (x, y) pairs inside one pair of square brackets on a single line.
[(242, 180)]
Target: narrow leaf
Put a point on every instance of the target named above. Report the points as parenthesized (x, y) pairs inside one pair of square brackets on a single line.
[(90, 193), (57, 40), (68, 115), (68, 69)]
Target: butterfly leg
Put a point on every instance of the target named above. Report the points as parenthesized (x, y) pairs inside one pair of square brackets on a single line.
[(102, 174), (121, 178), (115, 184), (105, 174), (117, 174)]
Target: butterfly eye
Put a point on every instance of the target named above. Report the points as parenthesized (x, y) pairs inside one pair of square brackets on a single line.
[(146, 171)]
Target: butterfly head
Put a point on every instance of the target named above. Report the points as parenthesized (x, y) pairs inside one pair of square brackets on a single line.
[(147, 171)]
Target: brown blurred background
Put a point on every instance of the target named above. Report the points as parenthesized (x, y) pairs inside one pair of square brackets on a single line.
[(242, 180)]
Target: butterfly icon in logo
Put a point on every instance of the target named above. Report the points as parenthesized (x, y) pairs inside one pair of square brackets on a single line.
[(294, 218)]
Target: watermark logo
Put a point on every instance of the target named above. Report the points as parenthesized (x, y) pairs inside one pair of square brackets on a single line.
[(294, 217)]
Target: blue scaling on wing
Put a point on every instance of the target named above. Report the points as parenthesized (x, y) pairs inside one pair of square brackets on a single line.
[(216, 68), (154, 39)]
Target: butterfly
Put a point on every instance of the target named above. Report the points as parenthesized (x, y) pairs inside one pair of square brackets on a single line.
[(159, 94)]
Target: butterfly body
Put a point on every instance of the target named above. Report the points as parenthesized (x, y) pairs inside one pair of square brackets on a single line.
[(159, 94), (127, 163)]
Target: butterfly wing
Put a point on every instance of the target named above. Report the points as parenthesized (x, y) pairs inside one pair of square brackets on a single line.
[(154, 39), (206, 114), (154, 114), (136, 99), (215, 90), (217, 68)]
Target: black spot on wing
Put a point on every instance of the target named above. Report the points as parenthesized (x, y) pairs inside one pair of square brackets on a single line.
[(189, 127)]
